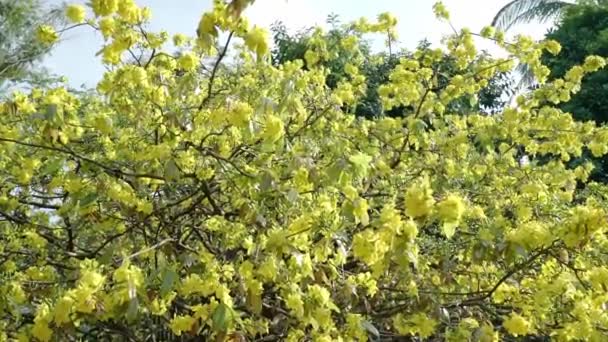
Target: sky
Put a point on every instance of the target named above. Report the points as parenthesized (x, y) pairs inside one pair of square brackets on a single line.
[(75, 58)]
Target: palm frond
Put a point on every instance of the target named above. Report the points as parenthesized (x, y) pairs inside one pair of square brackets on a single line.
[(527, 79), (520, 11)]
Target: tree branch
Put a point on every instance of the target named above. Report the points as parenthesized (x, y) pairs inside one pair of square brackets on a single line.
[(214, 71)]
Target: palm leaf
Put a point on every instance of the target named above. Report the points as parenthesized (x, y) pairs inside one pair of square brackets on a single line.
[(527, 79), (522, 11)]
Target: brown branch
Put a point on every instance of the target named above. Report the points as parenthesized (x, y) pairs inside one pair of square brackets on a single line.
[(397, 159), (151, 248), (106, 168), (214, 71), (217, 210), (226, 160), (40, 205), (509, 274)]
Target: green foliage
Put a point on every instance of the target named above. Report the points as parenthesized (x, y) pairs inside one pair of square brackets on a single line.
[(583, 31)]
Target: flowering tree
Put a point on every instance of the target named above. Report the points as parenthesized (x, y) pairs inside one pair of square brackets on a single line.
[(187, 200)]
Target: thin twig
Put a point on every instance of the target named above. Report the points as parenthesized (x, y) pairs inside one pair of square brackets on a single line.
[(214, 71), (151, 248)]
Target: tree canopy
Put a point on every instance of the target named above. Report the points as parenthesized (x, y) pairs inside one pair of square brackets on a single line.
[(377, 67), (186, 201), (583, 31)]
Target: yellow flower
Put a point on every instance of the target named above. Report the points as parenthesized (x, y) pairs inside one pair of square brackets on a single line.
[(112, 54), (598, 277), (91, 279), (594, 63), (103, 123), (194, 284), (16, 293), (274, 129), (180, 324), (41, 329), (450, 211), (257, 40), (46, 34), (487, 334), (188, 61), (369, 247), (441, 11), (488, 32), (360, 208), (387, 20), (76, 13), (42, 332), (269, 269), (418, 324), (129, 12), (179, 39), (451, 208), (103, 8), (241, 114), (517, 325), (311, 58), (130, 274), (424, 325), (107, 26), (553, 47), (598, 148), (410, 230), (575, 74), (63, 309), (295, 303), (419, 199), (207, 26)]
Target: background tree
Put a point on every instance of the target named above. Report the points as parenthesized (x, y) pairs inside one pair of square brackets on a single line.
[(525, 11), (582, 31), (377, 67), (20, 51)]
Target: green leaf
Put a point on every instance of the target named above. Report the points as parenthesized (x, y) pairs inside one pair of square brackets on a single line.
[(268, 181), (444, 315), (169, 278), (254, 302), (222, 317), (172, 172), (361, 163), (473, 100), (52, 167), (51, 112), (106, 257), (449, 229), (132, 310), (292, 196), (88, 199), (370, 328)]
